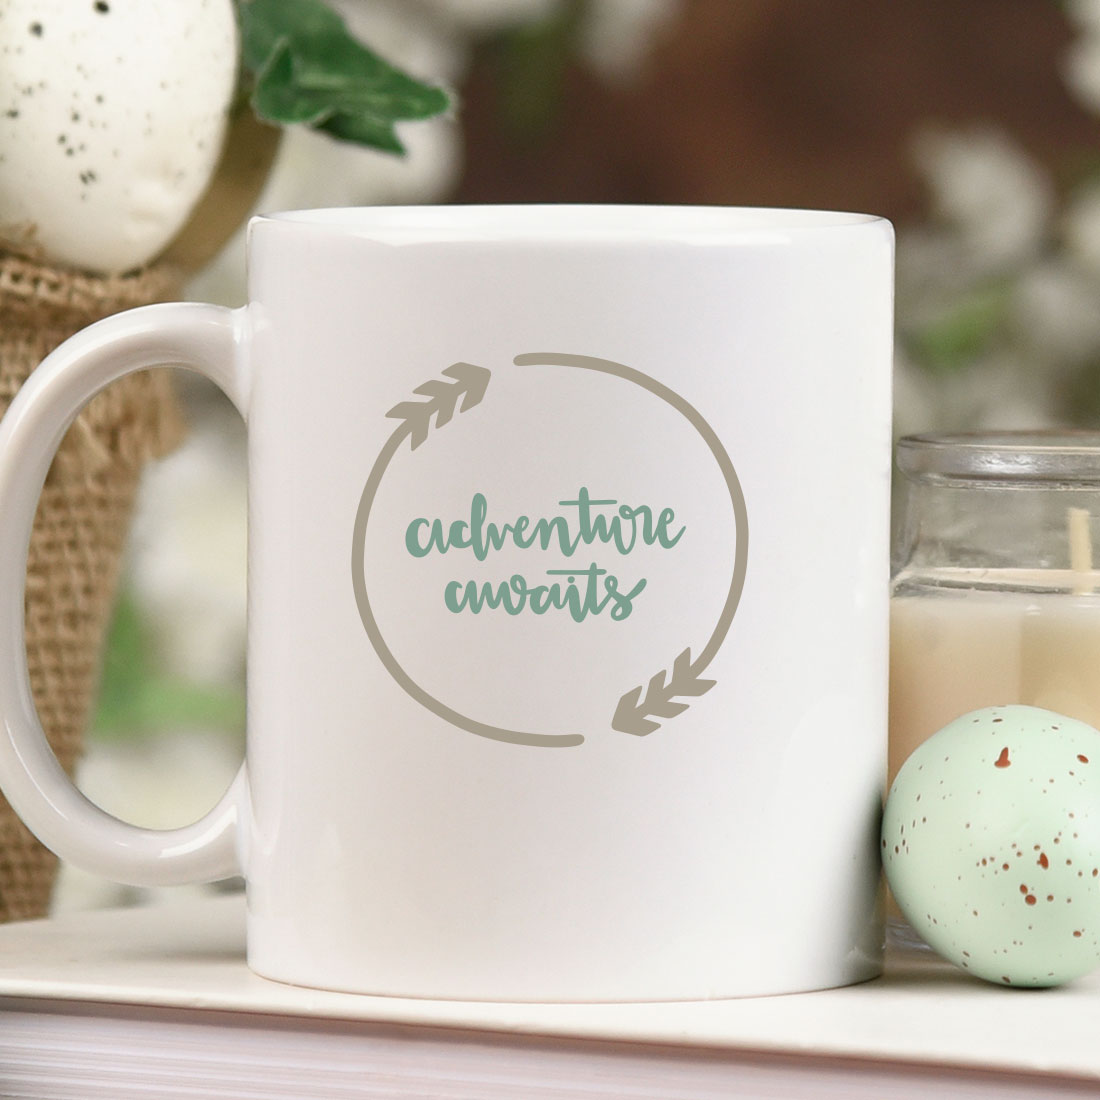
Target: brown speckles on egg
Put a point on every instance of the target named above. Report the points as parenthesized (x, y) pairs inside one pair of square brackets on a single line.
[(78, 76), (964, 862)]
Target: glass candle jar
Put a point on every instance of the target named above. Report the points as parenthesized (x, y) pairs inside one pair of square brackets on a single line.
[(995, 598)]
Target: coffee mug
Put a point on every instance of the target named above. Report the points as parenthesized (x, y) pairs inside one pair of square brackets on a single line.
[(567, 583)]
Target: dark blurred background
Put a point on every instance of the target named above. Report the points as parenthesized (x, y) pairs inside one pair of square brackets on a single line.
[(756, 102)]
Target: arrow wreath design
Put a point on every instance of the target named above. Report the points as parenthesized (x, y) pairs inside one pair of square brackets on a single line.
[(470, 385), (631, 715), (634, 713)]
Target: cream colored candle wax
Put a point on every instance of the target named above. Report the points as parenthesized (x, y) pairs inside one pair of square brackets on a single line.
[(955, 650)]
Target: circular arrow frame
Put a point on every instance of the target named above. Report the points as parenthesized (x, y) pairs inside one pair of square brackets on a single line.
[(370, 491)]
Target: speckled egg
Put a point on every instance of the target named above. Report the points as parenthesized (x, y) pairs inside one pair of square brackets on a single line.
[(991, 845), (112, 114)]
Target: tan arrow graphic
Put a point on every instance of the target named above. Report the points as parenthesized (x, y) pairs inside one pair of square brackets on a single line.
[(470, 383), (442, 401), (632, 711)]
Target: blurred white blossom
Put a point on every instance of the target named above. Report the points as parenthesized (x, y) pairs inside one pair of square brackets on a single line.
[(1081, 228), (994, 201), (1081, 66), (1055, 309), (995, 310), (617, 35)]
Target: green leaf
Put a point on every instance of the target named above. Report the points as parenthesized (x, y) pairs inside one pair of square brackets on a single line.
[(308, 70)]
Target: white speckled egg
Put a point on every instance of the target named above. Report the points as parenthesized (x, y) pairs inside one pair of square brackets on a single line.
[(991, 845), (112, 114)]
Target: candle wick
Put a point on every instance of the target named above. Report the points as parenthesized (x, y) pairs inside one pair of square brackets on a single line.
[(1080, 549)]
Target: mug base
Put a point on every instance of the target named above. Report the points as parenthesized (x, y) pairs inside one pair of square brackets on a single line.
[(863, 970)]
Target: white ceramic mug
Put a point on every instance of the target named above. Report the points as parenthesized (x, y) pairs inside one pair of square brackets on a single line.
[(567, 595)]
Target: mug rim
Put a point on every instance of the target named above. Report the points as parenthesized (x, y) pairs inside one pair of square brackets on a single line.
[(565, 221)]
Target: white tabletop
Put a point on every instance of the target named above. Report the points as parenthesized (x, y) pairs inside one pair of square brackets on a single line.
[(191, 956)]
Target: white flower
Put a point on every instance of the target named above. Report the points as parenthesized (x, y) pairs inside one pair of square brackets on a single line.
[(1081, 229), (985, 190), (617, 35), (1085, 13), (1055, 312), (1081, 70), (1081, 64)]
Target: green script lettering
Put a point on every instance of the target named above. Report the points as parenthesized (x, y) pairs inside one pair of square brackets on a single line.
[(585, 592)]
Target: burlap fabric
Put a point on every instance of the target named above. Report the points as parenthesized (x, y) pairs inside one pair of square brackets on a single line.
[(82, 520)]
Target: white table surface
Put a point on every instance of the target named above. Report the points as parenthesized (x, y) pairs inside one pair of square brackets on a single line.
[(191, 956)]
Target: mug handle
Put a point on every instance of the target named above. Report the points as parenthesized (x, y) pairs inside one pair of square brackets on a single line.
[(206, 338)]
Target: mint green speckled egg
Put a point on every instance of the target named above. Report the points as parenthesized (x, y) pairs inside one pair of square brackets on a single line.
[(991, 845)]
